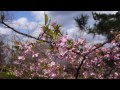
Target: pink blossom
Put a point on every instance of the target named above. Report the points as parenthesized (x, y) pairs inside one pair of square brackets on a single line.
[(53, 75), (54, 24), (62, 43), (52, 63), (16, 62), (81, 41), (107, 55), (30, 63), (21, 57), (92, 73), (64, 39), (45, 70), (111, 31), (36, 55), (113, 43), (85, 74), (116, 74)]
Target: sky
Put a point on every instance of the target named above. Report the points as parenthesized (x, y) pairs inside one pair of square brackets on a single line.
[(30, 22)]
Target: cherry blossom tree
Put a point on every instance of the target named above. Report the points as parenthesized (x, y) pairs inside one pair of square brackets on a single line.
[(66, 58)]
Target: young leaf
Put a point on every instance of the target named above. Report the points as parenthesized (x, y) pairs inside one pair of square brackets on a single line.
[(51, 32), (40, 41), (16, 42), (46, 19)]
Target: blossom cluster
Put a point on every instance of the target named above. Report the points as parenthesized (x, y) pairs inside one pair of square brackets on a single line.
[(66, 55)]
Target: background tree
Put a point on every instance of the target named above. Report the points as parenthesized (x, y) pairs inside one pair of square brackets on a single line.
[(4, 47), (82, 21), (6, 15), (104, 24)]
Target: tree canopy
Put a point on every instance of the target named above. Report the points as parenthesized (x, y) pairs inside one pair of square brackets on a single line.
[(104, 23)]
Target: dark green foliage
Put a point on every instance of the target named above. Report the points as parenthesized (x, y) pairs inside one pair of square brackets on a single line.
[(104, 23), (82, 21), (1, 53), (109, 62), (5, 15), (7, 75)]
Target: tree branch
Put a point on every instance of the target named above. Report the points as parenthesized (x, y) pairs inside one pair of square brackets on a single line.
[(84, 57), (108, 74), (23, 33), (79, 67)]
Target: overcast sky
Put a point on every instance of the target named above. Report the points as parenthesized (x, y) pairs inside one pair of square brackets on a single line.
[(31, 21)]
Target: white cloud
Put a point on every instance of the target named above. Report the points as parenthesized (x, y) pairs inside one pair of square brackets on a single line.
[(24, 24), (5, 31), (65, 18), (107, 12), (98, 39), (36, 32), (75, 33), (39, 15)]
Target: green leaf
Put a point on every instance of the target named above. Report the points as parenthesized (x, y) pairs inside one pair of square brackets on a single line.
[(40, 41), (16, 42), (51, 32), (2, 17), (46, 19), (7, 75), (70, 42), (17, 47), (54, 36)]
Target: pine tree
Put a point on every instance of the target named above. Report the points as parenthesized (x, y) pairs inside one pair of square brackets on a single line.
[(104, 23)]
